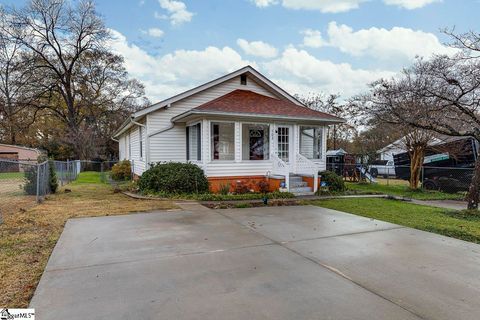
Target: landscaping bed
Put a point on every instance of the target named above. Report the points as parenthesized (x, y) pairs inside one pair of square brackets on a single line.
[(250, 204)]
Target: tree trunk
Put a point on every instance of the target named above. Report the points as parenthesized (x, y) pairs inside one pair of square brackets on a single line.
[(473, 196), (416, 161)]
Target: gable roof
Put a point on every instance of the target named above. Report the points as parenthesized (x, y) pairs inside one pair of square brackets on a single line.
[(245, 102), (249, 70), (245, 70)]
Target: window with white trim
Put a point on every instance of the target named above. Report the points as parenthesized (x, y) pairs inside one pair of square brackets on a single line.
[(223, 140), (311, 142), (194, 142)]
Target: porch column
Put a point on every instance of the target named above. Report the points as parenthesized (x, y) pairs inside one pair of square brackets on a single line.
[(205, 143), (296, 146), (238, 141)]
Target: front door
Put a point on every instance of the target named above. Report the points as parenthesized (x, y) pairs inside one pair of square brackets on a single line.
[(284, 140)]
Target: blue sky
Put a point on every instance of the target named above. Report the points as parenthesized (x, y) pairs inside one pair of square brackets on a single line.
[(331, 46)]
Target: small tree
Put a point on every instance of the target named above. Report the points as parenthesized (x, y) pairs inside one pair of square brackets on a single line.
[(416, 142), (338, 135), (390, 102)]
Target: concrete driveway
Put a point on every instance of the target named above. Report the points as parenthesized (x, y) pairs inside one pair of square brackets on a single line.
[(264, 263)]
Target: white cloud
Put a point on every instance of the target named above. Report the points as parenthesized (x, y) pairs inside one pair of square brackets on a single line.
[(299, 72), (295, 70), (397, 44), (410, 4), (257, 48), (325, 6), (264, 3), (172, 73), (177, 10), (155, 32), (312, 38)]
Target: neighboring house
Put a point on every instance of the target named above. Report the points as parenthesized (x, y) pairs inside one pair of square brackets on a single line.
[(387, 152), (18, 153), (398, 146), (240, 127)]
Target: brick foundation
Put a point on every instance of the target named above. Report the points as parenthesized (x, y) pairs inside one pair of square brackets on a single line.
[(250, 182), (309, 181)]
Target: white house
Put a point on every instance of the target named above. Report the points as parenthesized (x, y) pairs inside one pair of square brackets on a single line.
[(239, 127)]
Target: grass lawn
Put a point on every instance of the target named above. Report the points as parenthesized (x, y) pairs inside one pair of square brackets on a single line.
[(399, 189), (12, 175), (27, 238), (454, 224)]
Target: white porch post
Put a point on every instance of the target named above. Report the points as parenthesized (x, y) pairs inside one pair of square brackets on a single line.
[(205, 144), (238, 141), (296, 147)]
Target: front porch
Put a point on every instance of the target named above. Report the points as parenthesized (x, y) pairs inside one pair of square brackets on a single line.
[(287, 155), (246, 134)]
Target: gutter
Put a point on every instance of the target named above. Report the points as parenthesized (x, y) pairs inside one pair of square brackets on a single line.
[(245, 114)]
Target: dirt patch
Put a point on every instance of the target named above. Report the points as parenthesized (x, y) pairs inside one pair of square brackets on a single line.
[(27, 237)]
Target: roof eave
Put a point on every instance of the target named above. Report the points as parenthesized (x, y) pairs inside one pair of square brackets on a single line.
[(256, 115)]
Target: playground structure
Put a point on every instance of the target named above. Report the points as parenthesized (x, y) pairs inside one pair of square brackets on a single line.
[(344, 164)]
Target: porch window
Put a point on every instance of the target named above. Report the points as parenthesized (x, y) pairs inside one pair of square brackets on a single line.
[(311, 142), (194, 142), (255, 138), (223, 141)]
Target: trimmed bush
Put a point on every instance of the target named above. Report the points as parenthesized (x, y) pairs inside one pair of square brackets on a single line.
[(122, 171), (173, 177), (335, 182)]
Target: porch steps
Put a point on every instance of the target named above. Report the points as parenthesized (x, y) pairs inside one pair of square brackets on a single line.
[(299, 187)]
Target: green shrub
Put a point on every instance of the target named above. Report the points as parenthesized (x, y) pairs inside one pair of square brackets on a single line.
[(30, 173), (173, 177), (334, 182), (224, 188), (30, 186), (263, 186), (52, 179), (122, 171)]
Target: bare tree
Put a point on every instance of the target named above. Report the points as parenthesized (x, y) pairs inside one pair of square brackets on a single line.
[(391, 102), (449, 89), (20, 89), (339, 133), (70, 46)]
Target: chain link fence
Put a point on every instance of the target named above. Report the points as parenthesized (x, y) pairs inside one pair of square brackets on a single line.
[(24, 184), (443, 179)]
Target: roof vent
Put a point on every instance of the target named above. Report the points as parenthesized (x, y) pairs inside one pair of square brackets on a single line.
[(243, 79)]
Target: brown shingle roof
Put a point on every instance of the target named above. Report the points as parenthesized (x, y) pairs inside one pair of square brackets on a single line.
[(243, 101)]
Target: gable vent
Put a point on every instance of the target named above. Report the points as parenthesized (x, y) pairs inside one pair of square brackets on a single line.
[(243, 79)]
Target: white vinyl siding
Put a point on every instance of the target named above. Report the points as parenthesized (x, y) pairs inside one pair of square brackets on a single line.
[(137, 161), (122, 148)]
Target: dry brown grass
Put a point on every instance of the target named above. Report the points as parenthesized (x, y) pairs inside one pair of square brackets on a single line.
[(27, 238)]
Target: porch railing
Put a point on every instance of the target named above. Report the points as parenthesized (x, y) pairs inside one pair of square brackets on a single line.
[(304, 165), (280, 167)]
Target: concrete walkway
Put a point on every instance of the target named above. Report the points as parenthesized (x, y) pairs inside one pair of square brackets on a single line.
[(300, 262)]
